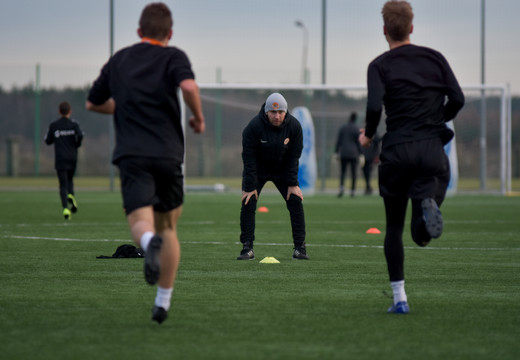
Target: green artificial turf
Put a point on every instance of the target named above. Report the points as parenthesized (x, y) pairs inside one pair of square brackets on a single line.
[(57, 301)]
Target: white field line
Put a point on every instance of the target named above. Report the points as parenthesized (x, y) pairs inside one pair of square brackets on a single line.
[(261, 244), (259, 221)]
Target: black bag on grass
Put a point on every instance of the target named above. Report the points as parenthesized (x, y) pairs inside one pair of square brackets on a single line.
[(125, 251)]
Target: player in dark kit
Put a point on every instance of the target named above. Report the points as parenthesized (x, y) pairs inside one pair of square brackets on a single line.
[(66, 136), (348, 150), (420, 94), (139, 86), (272, 144)]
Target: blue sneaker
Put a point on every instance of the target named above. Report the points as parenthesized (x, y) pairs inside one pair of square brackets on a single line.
[(400, 308), (432, 217)]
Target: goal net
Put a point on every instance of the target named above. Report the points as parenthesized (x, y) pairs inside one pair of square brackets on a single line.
[(482, 131)]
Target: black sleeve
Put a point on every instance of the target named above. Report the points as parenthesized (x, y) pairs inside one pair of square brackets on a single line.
[(181, 67), (454, 94), (338, 141), (100, 91), (49, 136), (356, 141), (79, 135), (294, 153), (249, 158), (376, 93)]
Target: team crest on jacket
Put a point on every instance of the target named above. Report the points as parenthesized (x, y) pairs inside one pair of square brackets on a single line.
[(286, 141)]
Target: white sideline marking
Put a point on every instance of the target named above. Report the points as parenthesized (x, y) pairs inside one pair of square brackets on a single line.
[(259, 221), (61, 239), (261, 244)]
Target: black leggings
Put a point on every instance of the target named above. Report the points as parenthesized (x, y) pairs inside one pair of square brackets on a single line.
[(416, 170), (367, 172), (395, 218), (353, 170)]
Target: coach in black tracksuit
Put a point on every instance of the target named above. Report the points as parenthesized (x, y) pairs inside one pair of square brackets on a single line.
[(272, 144), (66, 136), (420, 94)]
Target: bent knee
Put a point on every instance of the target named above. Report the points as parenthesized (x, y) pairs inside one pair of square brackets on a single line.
[(251, 204), (294, 199)]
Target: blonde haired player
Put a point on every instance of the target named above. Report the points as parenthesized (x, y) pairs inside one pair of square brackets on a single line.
[(413, 83)]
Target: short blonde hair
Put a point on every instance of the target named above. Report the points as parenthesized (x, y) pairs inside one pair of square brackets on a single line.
[(397, 17)]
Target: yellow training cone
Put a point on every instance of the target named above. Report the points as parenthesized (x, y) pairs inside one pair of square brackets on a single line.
[(269, 260)]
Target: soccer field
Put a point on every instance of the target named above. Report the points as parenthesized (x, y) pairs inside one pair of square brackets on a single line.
[(57, 301)]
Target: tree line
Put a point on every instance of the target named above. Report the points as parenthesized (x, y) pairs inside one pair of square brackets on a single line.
[(26, 115)]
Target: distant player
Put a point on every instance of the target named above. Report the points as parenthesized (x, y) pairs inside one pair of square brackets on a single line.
[(348, 150), (139, 86), (66, 136), (371, 155), (272, 144), (420, 94)]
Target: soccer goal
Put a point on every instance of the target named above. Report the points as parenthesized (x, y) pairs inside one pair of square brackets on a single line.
[(482, 128)]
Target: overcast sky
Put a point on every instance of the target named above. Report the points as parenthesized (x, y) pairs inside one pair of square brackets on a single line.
[(254, 41)]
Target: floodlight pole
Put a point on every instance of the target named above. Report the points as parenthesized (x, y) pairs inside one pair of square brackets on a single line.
[(483, 125), (37, 96), (300, 24), (111, 122), (323, 125), (218, 127), (323, 40)]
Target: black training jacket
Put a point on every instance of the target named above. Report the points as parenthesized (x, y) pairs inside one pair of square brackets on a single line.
[(66, 136), (347, 144), (271, 151), (419, 92)]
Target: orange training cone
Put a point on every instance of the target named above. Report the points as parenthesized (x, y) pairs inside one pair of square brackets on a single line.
[(263, 209), (373, 231)]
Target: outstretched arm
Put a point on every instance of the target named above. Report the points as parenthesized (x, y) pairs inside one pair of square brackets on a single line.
[(190, 93)]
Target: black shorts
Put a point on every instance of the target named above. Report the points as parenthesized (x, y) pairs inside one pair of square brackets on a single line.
[(417, 170), (151, 181)]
